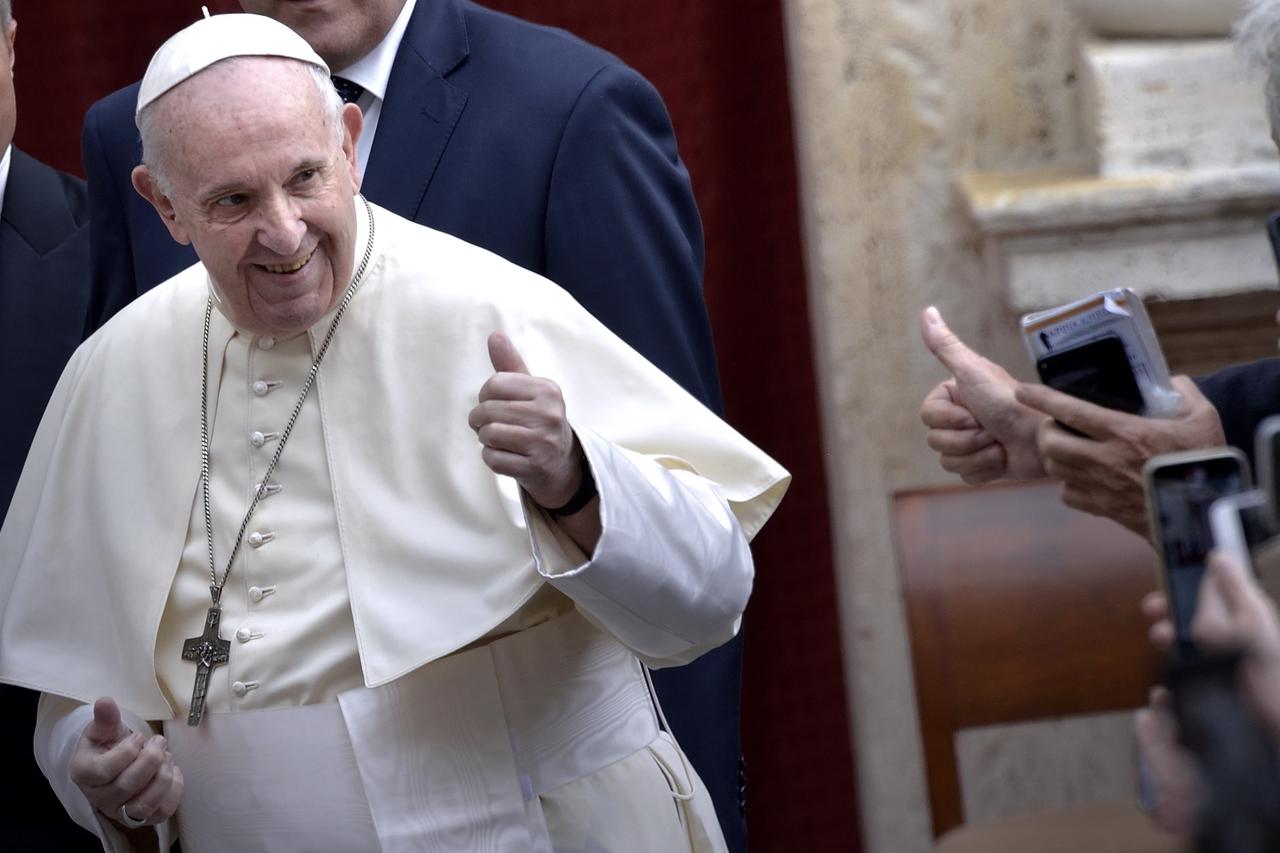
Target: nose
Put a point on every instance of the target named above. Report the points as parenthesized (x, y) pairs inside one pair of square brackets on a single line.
[(281, 228)]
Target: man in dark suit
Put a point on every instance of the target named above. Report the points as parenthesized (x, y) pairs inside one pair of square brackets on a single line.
[(44, 297), (526, 141)]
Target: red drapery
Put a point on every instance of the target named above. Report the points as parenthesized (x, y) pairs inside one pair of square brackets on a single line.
[(721, 68)]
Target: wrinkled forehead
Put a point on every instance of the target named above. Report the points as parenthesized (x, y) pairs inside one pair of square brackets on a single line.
[(244, 81)]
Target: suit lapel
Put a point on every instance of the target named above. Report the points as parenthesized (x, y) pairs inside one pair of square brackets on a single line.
[(421, 109), (31, 205)]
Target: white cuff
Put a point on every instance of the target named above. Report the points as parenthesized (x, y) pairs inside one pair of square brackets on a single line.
[(672, 570)]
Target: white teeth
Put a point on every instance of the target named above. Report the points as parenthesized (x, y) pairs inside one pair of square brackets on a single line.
[(283, 268)]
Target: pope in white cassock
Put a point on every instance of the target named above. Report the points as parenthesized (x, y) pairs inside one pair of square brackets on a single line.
[(305, 510)]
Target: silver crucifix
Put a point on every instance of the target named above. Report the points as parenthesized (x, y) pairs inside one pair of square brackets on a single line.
[(207, 651)]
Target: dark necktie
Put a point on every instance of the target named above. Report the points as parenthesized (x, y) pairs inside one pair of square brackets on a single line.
[(347, 90)]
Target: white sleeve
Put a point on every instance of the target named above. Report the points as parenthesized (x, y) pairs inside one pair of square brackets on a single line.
[(672, 571), (59, 724)]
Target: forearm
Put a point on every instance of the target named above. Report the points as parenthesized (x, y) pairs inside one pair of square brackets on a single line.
[(672, 570)]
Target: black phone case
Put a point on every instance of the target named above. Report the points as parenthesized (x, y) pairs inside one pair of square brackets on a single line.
[(1097, 371)]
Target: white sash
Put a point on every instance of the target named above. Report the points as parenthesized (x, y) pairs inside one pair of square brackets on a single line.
[(450, 757)]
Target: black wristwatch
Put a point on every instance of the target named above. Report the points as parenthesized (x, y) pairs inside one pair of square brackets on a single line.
[(586, 491)]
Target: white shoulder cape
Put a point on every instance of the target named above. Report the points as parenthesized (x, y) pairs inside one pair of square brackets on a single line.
[(434, 543)]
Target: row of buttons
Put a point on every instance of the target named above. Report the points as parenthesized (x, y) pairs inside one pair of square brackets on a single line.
[(257, 538)]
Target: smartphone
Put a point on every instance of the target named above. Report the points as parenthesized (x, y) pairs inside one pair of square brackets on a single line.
[(1181, 487), (1273, 234), (1240, 523), (1266, 451), (1097, 371)]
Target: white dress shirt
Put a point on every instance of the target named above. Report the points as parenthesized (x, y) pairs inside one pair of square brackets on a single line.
[(373, 71)]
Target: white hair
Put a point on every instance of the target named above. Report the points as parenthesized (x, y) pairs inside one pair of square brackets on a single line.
[(1257, 36), (148, 120), (6, 13)]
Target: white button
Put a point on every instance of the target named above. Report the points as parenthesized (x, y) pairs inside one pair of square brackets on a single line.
[(261, 388), (244, 635), (239, 688), (258, 539), (257, 439), (255, 594), (266, 343)]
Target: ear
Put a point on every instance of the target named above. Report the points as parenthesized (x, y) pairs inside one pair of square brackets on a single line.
[(352, 125), (12, 37), (146, 186)]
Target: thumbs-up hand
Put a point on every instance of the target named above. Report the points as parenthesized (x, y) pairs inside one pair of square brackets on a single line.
[(120, 771), (521, 423), (976, 425)]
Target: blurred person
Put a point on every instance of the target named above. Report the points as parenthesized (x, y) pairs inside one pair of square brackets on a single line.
[(1233, 615), (528, 142), (44, 299), (441, 607)]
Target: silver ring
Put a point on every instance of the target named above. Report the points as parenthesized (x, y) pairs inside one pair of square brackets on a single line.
[(123, 818)]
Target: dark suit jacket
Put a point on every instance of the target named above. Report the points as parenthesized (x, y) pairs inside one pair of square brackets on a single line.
[(550, 152), (1244, 395), (44, 296)]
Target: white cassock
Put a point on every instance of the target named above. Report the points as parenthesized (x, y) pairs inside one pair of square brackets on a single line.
[(420, 659)]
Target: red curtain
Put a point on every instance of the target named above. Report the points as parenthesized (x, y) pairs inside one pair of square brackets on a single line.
[(721, 68)]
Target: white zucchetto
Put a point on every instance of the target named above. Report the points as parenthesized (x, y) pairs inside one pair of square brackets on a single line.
[(213, 39)]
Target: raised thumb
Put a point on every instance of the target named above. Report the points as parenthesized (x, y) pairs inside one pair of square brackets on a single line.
[(107, 729), (503, 355), (964, 364)]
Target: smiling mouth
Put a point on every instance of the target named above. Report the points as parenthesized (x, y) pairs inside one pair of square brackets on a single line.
[(288, 268)]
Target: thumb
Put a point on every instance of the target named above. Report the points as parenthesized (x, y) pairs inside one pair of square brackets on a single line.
[(503, 355), (1232, 582), (107, 729), (965, 364)]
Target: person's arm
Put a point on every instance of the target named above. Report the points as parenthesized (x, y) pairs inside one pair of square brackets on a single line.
[(656, 558), (671, 571), (110, 254), (98, 758), (623, 234), (1243, 395)]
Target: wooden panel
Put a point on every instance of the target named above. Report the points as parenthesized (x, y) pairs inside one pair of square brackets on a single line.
[(1017, 609)]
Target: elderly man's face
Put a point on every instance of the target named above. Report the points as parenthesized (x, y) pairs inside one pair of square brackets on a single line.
[(262, 188), (341, 31)]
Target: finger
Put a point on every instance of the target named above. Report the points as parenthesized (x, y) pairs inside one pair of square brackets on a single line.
[(137, 776), (1154, 606), (512, 386), (145, 805), (525, 413), (940, 409), (988, 459), (96, 771), (1161, 635), (959, 442), (512, 438), (503, 355), (964, 364), (506, 463), (1238, 590), (106, 729), (1094, 421), (173, 797)]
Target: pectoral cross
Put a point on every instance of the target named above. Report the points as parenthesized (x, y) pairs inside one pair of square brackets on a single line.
[(207, 651)]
